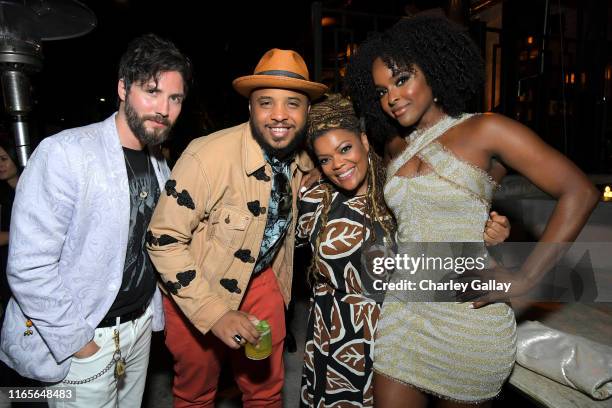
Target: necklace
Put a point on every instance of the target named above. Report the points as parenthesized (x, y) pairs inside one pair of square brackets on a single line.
[(144, 193)]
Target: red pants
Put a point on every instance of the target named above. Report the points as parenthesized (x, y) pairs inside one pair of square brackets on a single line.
[(198, 358)]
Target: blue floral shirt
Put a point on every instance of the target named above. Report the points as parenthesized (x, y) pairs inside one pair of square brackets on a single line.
[(279, 212)]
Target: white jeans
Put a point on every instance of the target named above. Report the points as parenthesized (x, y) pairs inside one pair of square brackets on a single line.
[(105, 391)]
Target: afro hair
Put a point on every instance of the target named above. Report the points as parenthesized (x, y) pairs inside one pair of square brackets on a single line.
[(442, 50)]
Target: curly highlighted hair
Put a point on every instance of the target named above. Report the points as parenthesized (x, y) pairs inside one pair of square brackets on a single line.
[(331, 112), (442, 50), (336, 112)]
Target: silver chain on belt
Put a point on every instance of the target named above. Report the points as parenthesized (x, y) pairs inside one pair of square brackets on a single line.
[(93, 377), (116, 359)]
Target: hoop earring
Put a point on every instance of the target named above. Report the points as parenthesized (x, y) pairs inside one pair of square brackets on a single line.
[(369, 159)]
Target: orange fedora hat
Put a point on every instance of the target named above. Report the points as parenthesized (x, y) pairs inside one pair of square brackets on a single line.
[(283, 69)]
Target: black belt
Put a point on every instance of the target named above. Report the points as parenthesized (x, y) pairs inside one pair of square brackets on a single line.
[(126, 317)]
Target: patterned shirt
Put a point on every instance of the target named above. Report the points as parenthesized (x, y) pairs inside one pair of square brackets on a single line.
[(279, 211)]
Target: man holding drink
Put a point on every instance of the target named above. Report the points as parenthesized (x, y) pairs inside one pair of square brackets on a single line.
[(222, 238)]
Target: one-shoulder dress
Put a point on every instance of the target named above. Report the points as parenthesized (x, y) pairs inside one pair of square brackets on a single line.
[(443, 348)]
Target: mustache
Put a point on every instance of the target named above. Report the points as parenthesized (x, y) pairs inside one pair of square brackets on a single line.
[(157, 118)]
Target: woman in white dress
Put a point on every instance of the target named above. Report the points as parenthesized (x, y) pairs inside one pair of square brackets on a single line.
[(420, 75)]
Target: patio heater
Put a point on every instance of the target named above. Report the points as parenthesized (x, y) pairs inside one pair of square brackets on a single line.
[(24, 25)]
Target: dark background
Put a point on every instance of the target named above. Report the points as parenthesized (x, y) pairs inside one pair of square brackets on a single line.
[(226, 39)]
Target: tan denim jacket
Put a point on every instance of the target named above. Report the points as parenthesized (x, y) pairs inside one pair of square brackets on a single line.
[(207, 228)]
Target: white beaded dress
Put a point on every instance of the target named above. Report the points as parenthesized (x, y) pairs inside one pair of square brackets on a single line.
[(443, 348)]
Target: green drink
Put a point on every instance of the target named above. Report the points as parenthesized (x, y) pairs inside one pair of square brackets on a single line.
[(263, 349)]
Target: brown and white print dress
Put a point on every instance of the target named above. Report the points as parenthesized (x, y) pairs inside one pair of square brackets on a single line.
[(337, 369)]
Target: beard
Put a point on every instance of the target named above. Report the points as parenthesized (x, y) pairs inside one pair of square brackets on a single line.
[(283, 152), (136, 124)]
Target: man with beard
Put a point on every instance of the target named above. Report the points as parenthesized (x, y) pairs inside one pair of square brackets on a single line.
[(85, 294), (222, 237)]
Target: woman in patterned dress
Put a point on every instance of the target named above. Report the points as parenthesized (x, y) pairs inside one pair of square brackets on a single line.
[(339, 222), (420, 74), (346, 223)]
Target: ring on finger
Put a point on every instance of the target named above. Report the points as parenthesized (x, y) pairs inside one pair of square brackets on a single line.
[(238, 339)]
